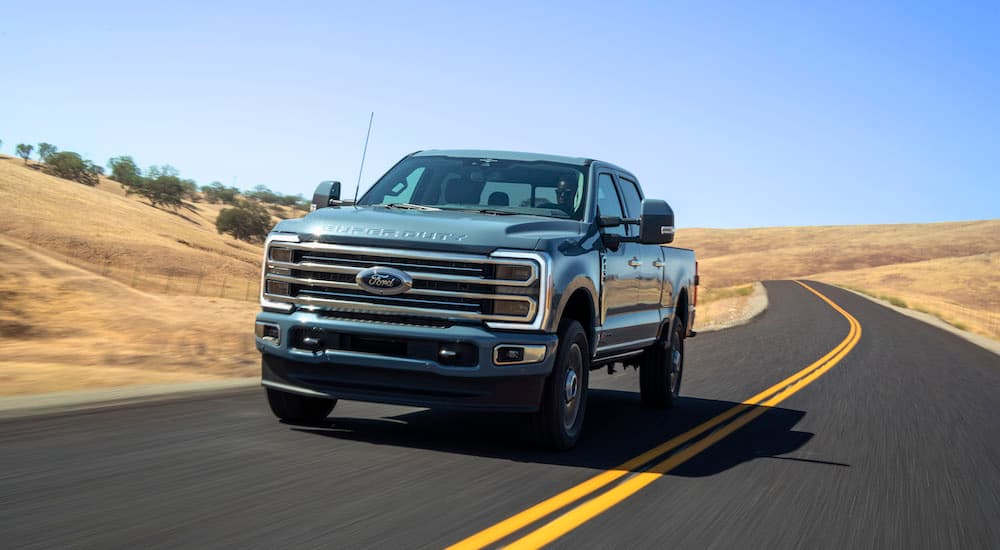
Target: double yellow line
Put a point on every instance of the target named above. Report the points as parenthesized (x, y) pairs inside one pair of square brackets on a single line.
[(642, 468)]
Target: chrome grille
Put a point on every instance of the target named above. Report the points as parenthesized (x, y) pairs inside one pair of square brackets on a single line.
[(445, 286)]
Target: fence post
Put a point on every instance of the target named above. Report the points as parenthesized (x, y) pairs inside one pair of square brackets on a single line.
[(222, 291), (197, 286)]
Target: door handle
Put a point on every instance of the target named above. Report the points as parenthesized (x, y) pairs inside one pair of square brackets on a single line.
[(634, 262), (657, 263)]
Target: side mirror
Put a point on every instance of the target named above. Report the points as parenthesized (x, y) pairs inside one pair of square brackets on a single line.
[(656, 223), (326, 193)]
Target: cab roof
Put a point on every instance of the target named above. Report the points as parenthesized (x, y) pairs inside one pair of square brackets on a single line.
[(503, 155)]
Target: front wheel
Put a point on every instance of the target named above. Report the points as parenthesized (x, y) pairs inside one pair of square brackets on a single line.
[(299, 409), (559, 420), (662, 368)]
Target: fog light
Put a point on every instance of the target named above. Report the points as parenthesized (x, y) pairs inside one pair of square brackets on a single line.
[(268, 332), (510, 354), (514, 272), (514, 355), (279, 288), (517, 308), (281, 254)]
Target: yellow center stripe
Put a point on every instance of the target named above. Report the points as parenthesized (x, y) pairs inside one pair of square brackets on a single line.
[(752, 407)]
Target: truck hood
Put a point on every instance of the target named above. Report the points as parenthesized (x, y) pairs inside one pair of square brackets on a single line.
[(429, 230)]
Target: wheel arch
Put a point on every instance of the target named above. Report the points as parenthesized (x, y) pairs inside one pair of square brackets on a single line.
[(579, 304)]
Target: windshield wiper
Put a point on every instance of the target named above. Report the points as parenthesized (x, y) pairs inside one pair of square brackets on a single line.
[(410, 206), (494, 212)]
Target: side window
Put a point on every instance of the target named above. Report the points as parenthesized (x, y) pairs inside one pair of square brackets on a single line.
[(608, 203), (633, 200), (403, 189)]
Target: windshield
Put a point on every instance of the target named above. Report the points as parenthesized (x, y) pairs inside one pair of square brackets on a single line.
[(538, 188)]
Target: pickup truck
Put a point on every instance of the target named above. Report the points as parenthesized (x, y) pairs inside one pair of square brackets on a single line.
[(482, 280)]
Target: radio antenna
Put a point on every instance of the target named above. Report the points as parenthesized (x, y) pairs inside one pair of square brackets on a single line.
[(363, 153)]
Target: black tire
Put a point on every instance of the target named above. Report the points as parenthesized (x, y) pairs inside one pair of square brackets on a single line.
[(662, 369), (299, 409), (559, 420)]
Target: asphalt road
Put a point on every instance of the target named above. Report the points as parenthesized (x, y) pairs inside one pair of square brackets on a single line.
[(897, 445)]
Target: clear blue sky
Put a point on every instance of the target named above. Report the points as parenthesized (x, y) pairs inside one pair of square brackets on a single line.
[(763, 113)]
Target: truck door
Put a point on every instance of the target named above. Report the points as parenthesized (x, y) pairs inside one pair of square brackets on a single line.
[(649, 276), (617, 282)]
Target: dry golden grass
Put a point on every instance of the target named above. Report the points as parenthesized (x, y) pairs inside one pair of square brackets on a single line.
[(101, 289), (724, 307), (946, 268), (67, 328), (125, 238), (962, 291)]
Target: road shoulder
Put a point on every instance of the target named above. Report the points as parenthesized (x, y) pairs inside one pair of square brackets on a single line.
[(73, 401), (984, 342), (738, 310)]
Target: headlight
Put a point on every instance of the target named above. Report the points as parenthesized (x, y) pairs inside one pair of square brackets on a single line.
[(279, 288), (281, 254), (511, 307), (513, 272)]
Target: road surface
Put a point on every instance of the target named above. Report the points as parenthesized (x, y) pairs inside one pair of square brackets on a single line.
[(894, 443)]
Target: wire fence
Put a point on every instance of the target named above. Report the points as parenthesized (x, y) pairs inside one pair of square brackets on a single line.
[(983, 320), (177, 283)]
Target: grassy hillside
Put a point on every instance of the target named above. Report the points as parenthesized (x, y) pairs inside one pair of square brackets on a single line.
[(124, 238), (68, 328), (949, 269), (101, 289)]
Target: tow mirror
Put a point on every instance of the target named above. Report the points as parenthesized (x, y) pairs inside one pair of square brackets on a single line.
[(656, 223), (327, 193)]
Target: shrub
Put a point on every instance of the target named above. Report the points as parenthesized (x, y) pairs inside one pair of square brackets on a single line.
[(216, 192), (71, 166), (248, 221)]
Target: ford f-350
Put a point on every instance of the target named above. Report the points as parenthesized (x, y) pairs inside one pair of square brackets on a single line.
[(482, 280)]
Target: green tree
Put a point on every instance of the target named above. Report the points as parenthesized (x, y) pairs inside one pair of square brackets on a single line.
[(46, 150), (248, 221), (154, 171), (71, 166), (190, 189), (263, 194), (125, 171), (163, 190), (24, 151), (215, 192)]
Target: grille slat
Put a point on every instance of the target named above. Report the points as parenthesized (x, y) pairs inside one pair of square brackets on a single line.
[(365, 262)]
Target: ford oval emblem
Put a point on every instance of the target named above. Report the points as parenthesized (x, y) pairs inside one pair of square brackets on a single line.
[(384, 281)]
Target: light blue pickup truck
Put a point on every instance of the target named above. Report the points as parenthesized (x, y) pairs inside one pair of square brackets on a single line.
[(481, 280)]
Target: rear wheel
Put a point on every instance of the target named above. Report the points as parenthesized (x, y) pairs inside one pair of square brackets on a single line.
[(662, 368), (559, 420), (299, 409)]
